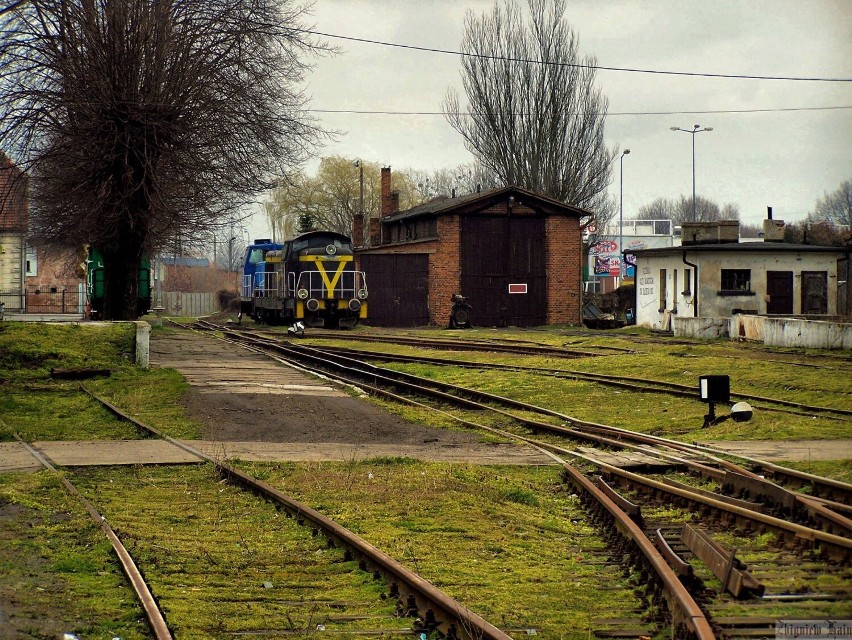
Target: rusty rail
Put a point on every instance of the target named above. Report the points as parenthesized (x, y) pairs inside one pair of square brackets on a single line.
[(438, 610), (152, 612)]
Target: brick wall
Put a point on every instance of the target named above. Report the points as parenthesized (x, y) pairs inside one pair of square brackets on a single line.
[(445, 269), (14, 205), (564, 252)]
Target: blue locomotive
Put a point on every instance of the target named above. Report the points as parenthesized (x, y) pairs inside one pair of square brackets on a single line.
[(311, 279)]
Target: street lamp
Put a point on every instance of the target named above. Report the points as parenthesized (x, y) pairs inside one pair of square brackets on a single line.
[(360, 166), (695, 129), (621, 219)]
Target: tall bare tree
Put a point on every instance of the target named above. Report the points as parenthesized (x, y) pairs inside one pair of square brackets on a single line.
[(144, 123), (535, 116), (835, 207)]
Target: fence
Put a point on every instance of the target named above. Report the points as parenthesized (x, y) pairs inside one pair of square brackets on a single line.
[(44, 299), (176, 303)]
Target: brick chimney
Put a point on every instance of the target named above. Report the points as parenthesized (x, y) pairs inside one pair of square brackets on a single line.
[(394, 202), (386, 207), (358, 230)]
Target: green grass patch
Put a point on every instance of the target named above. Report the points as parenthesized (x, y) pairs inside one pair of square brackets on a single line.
[(510, 550), (58, 573), (221, 561)]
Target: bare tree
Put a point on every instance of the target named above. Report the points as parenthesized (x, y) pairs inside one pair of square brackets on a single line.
[(680, 211), (143, 123), (835, 207), (535, 117)]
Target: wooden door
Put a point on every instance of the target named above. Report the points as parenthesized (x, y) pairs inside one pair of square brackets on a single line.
[(398, 289), (779, 287)]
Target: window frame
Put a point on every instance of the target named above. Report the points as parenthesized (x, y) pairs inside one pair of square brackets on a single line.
[(738, 282)]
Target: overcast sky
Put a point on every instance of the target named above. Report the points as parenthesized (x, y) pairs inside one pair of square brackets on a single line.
[(786, 159)]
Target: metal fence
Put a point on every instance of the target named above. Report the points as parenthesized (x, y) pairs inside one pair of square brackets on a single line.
[(43, 299)]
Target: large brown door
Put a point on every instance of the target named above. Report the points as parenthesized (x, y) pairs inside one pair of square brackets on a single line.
[(398, 288), (779, 287), (496, 253), (814, 292)]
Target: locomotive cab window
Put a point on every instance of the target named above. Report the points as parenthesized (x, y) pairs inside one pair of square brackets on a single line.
[(255, 256)]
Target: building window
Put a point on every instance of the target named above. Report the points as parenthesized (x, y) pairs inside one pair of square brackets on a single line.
[(736, 280), (31, 262), (687, 282), (663, 292), (674, 290)]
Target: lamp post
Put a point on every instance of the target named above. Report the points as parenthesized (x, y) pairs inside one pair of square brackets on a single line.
[(360, 166), (695, 129), (621, 219)]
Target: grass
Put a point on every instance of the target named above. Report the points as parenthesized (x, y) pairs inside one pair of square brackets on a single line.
[(509, 550), (57, 569)]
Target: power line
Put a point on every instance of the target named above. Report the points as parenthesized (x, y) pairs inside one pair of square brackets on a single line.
[(569, 64), (615, 113)]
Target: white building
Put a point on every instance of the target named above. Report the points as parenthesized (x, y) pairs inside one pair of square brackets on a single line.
[(712, 275)]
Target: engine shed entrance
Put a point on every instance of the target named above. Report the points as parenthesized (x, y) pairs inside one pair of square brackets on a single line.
[(398, 289), (503, 270)]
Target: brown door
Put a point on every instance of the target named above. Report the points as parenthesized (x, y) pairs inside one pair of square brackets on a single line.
[(495, 253), (779, 287), (398, 289), (814, 292)]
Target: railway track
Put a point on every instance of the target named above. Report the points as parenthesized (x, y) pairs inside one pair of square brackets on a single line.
[(433, 611), (805, 541), (623, 382)]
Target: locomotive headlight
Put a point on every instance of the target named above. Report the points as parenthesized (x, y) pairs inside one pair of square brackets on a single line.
[(303, 294), (354, 305), (330, 250), (362, 293)]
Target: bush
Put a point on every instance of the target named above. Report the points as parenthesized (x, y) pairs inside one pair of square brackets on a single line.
[(228, 300)]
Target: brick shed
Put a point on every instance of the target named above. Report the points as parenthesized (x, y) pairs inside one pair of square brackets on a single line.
[(515, 254)]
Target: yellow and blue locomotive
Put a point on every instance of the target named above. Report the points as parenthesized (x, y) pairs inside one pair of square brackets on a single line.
[(311, 278)]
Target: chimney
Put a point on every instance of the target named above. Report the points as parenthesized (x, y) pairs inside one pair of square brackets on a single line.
[(375, 232), (394, 202), (773, 230), (358, 230), (386, 192)]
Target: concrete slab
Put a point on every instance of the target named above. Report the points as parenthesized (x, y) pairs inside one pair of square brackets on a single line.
[(14, 457)]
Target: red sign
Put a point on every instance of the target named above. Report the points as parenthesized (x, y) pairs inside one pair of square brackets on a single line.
[(606, 246), (518, 288)]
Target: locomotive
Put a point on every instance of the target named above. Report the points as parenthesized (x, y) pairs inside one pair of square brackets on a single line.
[(310, 279)]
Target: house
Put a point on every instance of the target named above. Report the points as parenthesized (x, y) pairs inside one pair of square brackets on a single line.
[(713, 275), (516, 255), (14, 216)]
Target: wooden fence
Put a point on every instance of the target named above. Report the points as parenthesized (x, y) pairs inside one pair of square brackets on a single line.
[(177, 303)]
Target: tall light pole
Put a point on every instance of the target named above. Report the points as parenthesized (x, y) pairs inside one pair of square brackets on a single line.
[(360, 166), (695, 129), (621, 219)]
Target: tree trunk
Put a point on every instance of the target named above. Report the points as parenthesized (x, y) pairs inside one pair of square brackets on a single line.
[(121, 278)]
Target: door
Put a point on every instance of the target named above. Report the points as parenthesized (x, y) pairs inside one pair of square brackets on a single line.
[(496, 253), (779, 288), (814, 292), (398, 289)]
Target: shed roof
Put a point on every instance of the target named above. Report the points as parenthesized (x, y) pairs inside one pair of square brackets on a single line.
[(741, 247), (473, 201)]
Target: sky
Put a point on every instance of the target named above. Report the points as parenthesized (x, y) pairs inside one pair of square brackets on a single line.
[(784, 159)]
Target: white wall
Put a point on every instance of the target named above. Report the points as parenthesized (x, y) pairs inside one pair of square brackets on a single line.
[(651, 313)]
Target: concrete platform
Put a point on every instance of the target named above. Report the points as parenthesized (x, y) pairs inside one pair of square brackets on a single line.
[(15, 457)]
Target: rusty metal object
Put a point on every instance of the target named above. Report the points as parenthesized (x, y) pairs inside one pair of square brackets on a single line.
[(723, 562), (754, 506), (623, 503), (152, 612), (680, 566)]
